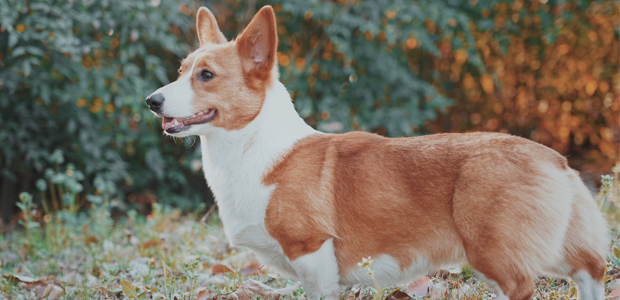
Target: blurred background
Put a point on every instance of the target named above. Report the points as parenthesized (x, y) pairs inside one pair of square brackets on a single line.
[(74, 128)]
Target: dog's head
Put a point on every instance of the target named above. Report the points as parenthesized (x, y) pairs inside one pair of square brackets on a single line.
[(223, 83)]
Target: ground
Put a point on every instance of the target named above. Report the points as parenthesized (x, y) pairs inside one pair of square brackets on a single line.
[(170, 255)]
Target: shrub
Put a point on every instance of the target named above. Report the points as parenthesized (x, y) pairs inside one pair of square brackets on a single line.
[(74, 75)]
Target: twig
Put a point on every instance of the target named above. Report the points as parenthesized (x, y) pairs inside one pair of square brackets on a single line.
[(53, 195), (204, 218)]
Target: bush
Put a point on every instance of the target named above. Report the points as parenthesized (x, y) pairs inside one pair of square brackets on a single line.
[(74, 77), (553, 78)]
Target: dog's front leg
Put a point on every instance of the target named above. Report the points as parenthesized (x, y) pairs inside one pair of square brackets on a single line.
[(318, 273)]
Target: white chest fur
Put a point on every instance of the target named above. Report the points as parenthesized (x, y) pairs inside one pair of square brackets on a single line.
[(234, 163)]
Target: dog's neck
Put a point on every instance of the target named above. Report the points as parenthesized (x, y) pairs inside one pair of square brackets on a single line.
[(235, 162)]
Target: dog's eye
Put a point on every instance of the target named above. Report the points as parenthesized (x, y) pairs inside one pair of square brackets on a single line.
[(206, 75)]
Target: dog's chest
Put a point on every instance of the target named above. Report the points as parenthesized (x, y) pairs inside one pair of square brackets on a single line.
[(241, 197), (242, 200)]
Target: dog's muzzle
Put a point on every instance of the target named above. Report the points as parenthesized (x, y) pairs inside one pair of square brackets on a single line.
[(155, 102)]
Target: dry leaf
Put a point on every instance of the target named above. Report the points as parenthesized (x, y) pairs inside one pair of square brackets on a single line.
[(56, 291), (420, 287), (50, 291), (24, 278), (220, 269), (615, 294), (446, 274), (129, 289), (252, 288), (151, 243), (204, 294), (398, 295), (30, 281), (90, 240), (43, 286), (253, 269)]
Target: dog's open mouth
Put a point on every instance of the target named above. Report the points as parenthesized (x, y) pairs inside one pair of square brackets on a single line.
[(173, 125)]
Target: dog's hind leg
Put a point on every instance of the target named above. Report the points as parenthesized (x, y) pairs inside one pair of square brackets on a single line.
[(587, 287), (318, 273), (512, 227), (586, 245)]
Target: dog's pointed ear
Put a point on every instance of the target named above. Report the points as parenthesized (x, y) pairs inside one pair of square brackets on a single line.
[(207, 29), (258, 43)]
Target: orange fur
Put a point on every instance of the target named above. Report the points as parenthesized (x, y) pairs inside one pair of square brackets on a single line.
[(241, 75), (207, 29), (429, 196)]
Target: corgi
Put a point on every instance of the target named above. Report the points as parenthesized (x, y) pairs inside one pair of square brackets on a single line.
[(311, 205)]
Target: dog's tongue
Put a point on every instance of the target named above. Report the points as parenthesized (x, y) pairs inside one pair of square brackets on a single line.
[(168, 123)]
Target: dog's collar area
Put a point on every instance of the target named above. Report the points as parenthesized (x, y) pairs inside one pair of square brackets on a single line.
[(173, 125)]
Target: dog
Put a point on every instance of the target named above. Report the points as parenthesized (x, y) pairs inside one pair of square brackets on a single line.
[(311, 205)]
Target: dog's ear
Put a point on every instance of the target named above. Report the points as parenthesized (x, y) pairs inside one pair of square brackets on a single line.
[(258, 43), (206, 26)]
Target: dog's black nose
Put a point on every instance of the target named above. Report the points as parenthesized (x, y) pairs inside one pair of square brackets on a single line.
[(155, 102)]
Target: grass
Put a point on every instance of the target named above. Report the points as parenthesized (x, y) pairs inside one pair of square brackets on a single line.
[(170, 255)]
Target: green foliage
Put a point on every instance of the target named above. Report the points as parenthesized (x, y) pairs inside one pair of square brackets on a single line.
[(355, 64), (74, 75), (29, 224)]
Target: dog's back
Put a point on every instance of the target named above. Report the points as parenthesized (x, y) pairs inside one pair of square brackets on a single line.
[(511, 207)]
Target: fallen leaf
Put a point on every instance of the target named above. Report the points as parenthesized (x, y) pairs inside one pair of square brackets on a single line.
[(252, 288), (50, 291), (151, 243), (69, 276), (29, 281), (420, 287), (204, 294), (21, 278), (446, 274), (398, 295), (90, 240), (129, 289), (253, 269), (220, 269), (287, 291), (43, 286)]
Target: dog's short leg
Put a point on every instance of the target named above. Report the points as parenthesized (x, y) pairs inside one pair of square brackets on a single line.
[(587, 287), (318, 272)]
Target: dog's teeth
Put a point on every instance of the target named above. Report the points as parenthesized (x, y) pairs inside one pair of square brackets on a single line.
[(175, 123), (200, 113)]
